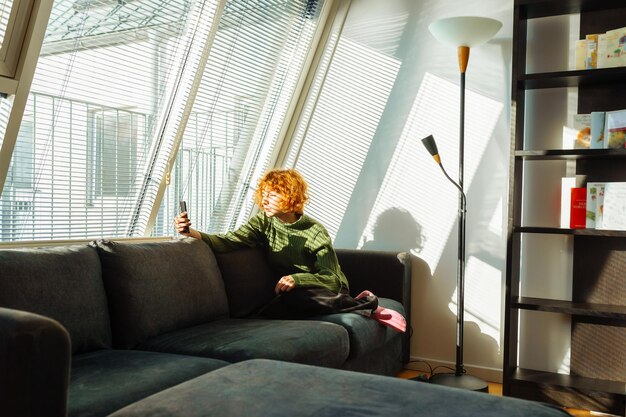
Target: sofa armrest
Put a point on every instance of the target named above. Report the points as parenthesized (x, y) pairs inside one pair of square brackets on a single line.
[(34, 365), (386, 274)]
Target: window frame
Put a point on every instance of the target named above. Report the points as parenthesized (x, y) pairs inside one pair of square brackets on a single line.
[(19, 86), (15, 35)]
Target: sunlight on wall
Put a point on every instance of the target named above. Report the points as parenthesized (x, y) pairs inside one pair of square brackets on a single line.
[(547, 333), (482, 297), (496, 223), (414, 181), (565, 365), (339, 136)]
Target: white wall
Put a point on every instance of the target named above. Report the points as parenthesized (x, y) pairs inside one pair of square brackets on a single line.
[(401, 200)]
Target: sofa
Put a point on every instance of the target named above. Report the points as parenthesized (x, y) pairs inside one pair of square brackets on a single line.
[(86, 330)]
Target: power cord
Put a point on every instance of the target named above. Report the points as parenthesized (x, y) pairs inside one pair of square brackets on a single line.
[(426, 375)]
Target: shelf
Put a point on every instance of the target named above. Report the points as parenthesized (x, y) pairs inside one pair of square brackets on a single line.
[(571, 78), (574, 232), (569, 154), (568, 381), (531, 9), (597, 256), (570, 307)]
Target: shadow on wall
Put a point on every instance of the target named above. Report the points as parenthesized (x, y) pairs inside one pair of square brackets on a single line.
[(433, 321), (433, 318), (396, 230)]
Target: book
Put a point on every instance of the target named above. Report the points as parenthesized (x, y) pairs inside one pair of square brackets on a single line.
[(596, 141), (594, 208), (615, 48), (567, 183), (578, 208), (600, 206), (580, 54), (615, 129), (592, 51), (614, 206), (582, 126), (602, 51)]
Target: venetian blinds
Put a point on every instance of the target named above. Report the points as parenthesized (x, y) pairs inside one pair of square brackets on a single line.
[(256, 60), (339, 126), (122, 87), (108, 94)]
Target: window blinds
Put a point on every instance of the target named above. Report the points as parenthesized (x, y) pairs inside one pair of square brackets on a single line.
[(338, 124), (111, 95), (101, 90), (256, 59)]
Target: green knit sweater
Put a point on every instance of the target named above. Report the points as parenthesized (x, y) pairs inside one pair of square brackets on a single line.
[(302, 249)]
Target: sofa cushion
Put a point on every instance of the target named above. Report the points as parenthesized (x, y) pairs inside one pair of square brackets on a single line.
[(107, 380), (235, 340), (159, 287), (280, 389), (63, 283), (248, 279), (366, 334)]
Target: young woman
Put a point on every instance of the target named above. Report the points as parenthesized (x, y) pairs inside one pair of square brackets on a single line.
[(299, 249)]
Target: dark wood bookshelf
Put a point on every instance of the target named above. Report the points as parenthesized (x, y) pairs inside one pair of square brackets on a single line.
[(569, 154), (571, 78), (531, 9), (573, 232), (570, 307), (598, 308), (569, 381)]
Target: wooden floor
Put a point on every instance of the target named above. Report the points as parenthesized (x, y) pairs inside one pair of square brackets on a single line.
[(494, 389)]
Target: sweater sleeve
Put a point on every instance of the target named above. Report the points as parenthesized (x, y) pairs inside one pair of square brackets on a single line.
[(249, 235), (326, 271)]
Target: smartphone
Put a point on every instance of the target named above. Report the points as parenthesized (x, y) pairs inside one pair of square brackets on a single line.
[(183, 208)]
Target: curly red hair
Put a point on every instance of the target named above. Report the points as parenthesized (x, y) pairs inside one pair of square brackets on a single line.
[(288, 183)]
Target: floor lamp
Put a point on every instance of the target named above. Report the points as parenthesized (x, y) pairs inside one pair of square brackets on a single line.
[(462, 32)]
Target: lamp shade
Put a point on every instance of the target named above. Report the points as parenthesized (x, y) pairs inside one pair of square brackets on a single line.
[(467, 31), (431, 145)]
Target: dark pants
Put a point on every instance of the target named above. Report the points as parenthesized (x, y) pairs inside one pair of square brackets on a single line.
[(302, 302)]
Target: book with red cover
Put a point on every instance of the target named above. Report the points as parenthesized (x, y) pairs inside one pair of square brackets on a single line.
[(578, 209)]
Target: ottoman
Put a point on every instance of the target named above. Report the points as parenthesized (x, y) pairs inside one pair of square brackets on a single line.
[(261, 387)]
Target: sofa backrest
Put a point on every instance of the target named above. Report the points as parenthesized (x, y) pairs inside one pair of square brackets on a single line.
[(63, 283), (158, 287), (248, 279)]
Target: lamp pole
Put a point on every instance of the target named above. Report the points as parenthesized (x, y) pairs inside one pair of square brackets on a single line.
[(463, 55)]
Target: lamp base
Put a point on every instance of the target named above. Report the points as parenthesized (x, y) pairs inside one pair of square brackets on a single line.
[(462, 381)]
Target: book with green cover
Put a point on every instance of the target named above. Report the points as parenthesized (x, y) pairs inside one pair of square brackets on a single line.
[(595, 201)]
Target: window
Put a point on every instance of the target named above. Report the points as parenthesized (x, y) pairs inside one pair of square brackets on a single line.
[(339, 124), (258, 56), (114, 137), (122, 87), (21, 170), (103, 83), (17, 200)]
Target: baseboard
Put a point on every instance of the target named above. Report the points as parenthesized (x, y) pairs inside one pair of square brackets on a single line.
[(482, 372)]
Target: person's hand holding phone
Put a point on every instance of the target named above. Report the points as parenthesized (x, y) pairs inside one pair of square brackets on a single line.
[(182, 222)]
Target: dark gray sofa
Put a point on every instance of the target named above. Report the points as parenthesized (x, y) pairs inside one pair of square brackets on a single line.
[(88, 329)]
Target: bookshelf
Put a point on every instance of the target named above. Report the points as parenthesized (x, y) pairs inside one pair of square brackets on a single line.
[(596, 304)]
